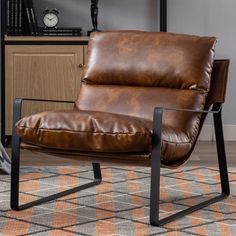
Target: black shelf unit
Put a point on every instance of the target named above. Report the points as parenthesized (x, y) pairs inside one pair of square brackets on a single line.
[(4, 138)]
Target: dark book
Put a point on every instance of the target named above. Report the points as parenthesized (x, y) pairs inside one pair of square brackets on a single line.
[(30, 30), (16, 17), (8, 18), (33, 18), (11, 17), (61, 31), (20, 18), (61, 34), (25, 23)]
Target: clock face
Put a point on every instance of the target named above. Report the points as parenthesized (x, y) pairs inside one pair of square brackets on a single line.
[(50, 20)]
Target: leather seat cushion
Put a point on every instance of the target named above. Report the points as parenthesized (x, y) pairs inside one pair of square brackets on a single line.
[(91, 131), (86, 131)]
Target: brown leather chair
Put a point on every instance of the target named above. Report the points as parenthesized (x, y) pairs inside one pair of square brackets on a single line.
[(129, 75)]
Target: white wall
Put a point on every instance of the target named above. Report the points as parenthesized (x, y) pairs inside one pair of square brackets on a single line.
[(210, 17), (218, 18)]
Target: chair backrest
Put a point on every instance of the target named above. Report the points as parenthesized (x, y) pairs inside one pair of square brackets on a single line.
[(132, 72), (219, 79), (150, 59)]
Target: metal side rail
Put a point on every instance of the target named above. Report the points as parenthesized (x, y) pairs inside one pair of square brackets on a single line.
[(15, 169), (156, 166)]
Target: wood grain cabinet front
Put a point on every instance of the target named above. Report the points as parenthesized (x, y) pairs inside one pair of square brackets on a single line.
[(42, 72)]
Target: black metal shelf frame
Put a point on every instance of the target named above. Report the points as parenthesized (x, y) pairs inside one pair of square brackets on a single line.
[(163, 28)]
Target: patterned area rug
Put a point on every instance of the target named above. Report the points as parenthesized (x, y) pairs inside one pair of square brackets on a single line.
[(118, 206)]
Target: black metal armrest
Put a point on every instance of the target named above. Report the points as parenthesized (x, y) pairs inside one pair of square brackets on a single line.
[(158, 115), (41, 100), (17, 106), (215, 109)]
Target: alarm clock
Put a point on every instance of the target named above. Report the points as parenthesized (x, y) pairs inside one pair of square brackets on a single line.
[(50, 18)]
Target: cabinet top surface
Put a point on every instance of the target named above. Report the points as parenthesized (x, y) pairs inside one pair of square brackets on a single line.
[(45, 38)]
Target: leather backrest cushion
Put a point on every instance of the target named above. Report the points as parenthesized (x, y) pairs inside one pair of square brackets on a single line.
[(136, 58), (140, 101), (137, 101)]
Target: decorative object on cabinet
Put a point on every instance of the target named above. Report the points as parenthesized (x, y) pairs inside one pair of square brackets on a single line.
[(51, 18), (94, 16)]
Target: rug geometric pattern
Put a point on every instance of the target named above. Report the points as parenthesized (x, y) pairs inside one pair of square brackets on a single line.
[(120, 205)]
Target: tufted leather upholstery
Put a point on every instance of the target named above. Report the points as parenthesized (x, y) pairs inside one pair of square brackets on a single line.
[(127, 75)]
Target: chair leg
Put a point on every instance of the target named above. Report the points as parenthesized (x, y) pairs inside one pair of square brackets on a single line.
[(155, 173), (222, 162), (15, 180)]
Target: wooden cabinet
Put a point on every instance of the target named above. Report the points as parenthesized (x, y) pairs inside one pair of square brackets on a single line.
[(44, 72)]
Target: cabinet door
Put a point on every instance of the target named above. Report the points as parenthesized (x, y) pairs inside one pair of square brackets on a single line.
[(42, 72)]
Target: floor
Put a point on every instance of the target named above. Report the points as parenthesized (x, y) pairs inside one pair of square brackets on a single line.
[(120, 205)]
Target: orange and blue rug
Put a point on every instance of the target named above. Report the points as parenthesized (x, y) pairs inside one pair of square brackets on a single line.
[(120, 205)]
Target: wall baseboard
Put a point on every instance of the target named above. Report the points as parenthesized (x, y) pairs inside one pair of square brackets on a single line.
[(208, 134), (229, 133)]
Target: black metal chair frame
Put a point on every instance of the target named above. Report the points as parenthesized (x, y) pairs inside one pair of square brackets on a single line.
[(15, 168), (155, 165)]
